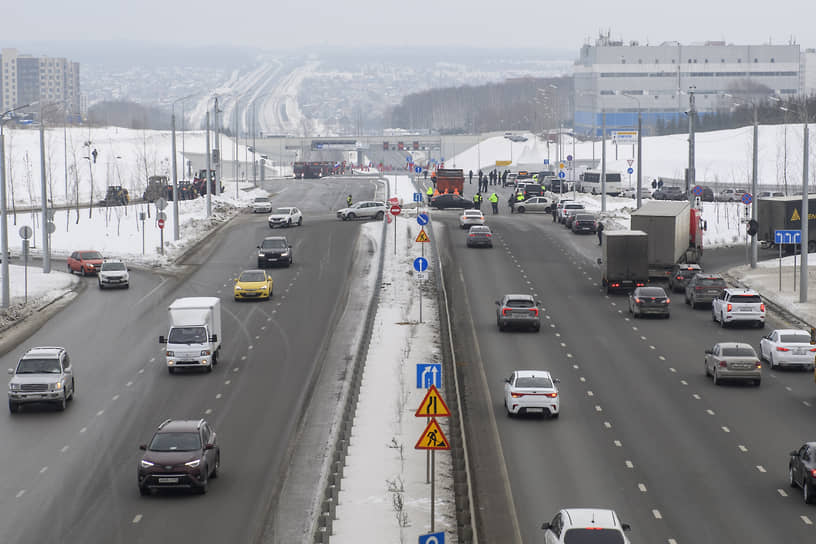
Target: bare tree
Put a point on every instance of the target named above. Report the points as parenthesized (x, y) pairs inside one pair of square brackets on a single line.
[(10, 181)]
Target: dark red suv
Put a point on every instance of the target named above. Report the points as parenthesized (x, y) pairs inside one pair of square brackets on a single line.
[(181, 454)]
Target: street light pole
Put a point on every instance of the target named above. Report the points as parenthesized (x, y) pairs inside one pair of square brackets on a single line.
[(175, 166), (46, 266), (691, 176), (603, 161), (207, 175), (639, 149), (804, 246), (755, 154)]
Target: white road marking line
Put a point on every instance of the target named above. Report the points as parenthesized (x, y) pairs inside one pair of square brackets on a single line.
[(634, 328), (742, 448), (575, 367), (128, 384), (788, 388), (115, 397), (725, 429), (235, 369), (569, 355), (782, 492), (563, 345), (227, 382), (100, 412), (208, 411), (547, 317), (269, 319), (249, 347), (552, 325), (710, 412), (141, 371), (607, 425), (590, 394), (137, 518), (806, 403), (243, 357), (620, 311), (263, 327), (617, 443), (629, 464), (218, 396), (696, 396), (43, 469), (671, 541), (642, 488), (672, 369), (661, 358), (257, 338), (152, 359), (558, 335), (657, 515), (598, 408), (684, 382), (761, 468), (582, 379), (806, 520), (21, 493), (64, 448), (643, 338), (651, 347), (83, 429)]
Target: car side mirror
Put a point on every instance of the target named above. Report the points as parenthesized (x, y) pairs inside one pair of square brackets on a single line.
[(209, 447), (599, 261), (556, 380), (235, 280), (709, 351), (11, 371), (259, 247), (67, 369), (498, 303), (626, 527), (162, 340), (214, 338), (507, 380), (545, 525), (794, 453), (143, 446), (290, 247)]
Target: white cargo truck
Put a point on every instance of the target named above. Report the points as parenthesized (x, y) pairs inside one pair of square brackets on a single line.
[(194, 339)]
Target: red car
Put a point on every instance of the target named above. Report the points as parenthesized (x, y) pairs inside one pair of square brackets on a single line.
[(85, 262)]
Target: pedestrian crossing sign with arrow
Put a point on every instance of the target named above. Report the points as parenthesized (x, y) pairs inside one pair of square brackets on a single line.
[(432, 405), (432, 438)]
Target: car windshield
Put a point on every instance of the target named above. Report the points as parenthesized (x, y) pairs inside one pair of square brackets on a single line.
[(574, 206), (274, 244), (711, 282), (281, 211), (795, 338), (651, 292), (746, 299), (593, 535), (519, 303), (534, 381), (175, 442), (262, 199), (253, 275), (90, 255), (585, 218), (473, 213), (744, 351), (479, 230), (38, 366), (113, 266), (187, 335)]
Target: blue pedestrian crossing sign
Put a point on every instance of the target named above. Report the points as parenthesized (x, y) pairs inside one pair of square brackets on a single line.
[(428, 374), (422, 218), (420, 264), (432, 538)]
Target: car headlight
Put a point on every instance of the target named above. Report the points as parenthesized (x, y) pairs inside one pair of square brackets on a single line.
[(55, 386), (238, 287), (193, 464), (145, 464), (285, 254), (260, 254), (169, 354), (14, 386), (205, 352)]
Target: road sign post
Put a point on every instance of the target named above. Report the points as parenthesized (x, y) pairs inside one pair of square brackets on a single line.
[(395, 211), (782, 237), (25, 266), (161, 234)]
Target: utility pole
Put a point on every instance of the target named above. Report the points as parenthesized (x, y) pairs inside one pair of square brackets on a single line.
[(754, 185), (207, 175), (805, 240), (639, 161), (603, 161), (691, 176), (44, 195), (217, 151), (175, 178)]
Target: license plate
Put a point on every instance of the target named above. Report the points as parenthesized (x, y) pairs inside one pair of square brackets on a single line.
[(746, 309), (713, 292), (168, 480), (535, 410)]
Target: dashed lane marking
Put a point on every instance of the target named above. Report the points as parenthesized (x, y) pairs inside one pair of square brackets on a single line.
[(208, 411), (661, 357), (227, 382), (590, 394), (607, 425), (642, 488), (684, 382), (617, 443), (725, 429), (672, 369), (581, 379), (710, 412), (115, 397), (43, 469), (598, 408), (83, 429), (100, 412), (218, 396), (806, 520), (128, 384), (64, 449), (782, 492), (656, 513), (696, 396), (137, 518), (742, 448), (21, 493), (629, 464)]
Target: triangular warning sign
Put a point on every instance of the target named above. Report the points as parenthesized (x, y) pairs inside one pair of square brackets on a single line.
[(432, 438), (432, 405), (796, 216), (422, 237)]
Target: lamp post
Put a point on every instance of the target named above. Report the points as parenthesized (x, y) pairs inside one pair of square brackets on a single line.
[(639, 149), (175, 168), (4, 253), (691, 176)]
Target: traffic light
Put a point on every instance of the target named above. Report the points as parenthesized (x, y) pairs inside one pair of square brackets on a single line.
[(753, 227), (215, 156)]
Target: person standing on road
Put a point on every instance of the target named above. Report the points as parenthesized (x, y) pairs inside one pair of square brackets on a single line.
[(511, 202), (599, 229), (554, 210), (348, 201), (477, 201), (494, 202), (429, 193)]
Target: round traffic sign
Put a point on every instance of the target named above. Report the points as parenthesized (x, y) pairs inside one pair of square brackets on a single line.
[(422, 219), (26, 232), (698, 190), (395, 209), (630, 170), (50, 227), (562, 175), (747, 198), (160, 222), (569, 158), (420, 264), (161, 203), (561, 165)]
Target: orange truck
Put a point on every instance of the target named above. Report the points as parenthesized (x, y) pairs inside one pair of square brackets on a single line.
[(448, 179)]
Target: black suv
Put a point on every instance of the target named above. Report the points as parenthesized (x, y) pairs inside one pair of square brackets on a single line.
[(681, 274), (274, 250), (181, 454), (702, 288), (802, 471)]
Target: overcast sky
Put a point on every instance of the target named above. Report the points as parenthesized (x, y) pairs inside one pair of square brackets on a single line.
[(521, 23)]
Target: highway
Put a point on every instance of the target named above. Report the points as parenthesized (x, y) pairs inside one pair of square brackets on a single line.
[(642, 430), (71, 476)]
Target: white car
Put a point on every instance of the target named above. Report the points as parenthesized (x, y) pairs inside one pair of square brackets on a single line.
[(631, 192), (261, 204), (585, 525), (531, 392), (363, 210), (570, 208), (285, 217), (787, 347), (738, 305), (535, 204), (470, 218), (113, 273)]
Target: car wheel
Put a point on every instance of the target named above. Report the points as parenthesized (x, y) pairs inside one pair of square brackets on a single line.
[(717, 380), (379, 216), (73, 389), (713, 315), (61, 404), (81, 270), (536, 328), (693, 304), (100, 285), (70, 270), (204, 485), (761, 324), (507, 409), (144, 491), (722, 322), (772, 361), (521, 209), (300, 221), (705, 366), (555, 415), (501, 327), (216, 467), (13, 407), (807, 493), (351, 216), (171, 370), (758, 382), (288, 223), (791, 479), (209, 368)]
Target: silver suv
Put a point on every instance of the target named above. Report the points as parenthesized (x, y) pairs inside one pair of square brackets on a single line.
[(363, 210), (113, 273), (43, 375)]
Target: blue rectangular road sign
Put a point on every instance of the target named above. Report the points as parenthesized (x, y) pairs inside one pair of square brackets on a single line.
[(787, 236), (417, 197), (432, 538), (428, 374)]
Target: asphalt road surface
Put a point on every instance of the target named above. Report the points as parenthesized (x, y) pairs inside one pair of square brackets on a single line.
[(71, 476), (642, 430)]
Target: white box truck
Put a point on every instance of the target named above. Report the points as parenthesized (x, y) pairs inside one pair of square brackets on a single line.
[(194, 339)]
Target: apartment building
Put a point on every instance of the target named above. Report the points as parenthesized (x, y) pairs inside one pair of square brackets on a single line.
[(26, 79), (618, 80)]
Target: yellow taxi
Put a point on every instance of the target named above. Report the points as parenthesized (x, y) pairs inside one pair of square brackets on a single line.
[(253, 284)]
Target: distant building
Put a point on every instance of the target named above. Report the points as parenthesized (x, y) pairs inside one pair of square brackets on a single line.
[(621, 79), (25, 79), (809, 64)]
